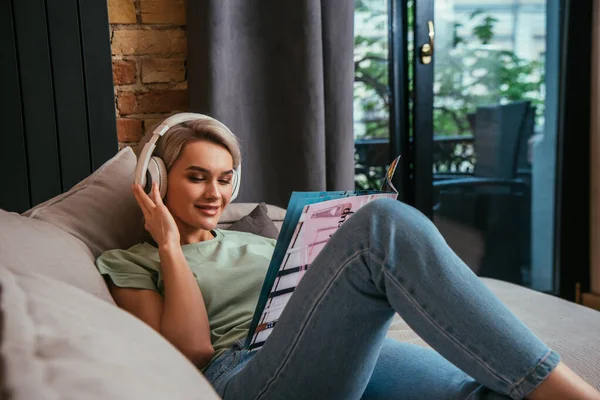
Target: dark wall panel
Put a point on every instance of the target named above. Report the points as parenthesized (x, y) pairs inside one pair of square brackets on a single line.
[(71, 115), (98, 71), (58, 109), (14, 193), (38, 99)]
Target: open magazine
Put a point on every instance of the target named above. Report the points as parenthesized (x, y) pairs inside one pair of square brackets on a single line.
[(311, 219)]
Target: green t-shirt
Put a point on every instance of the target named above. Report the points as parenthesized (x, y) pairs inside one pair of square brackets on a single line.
[(229, 269)]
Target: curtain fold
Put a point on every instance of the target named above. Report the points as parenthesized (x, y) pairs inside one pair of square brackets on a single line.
[(280, 76)]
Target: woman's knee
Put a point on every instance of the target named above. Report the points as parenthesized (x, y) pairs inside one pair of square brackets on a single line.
[(396, 212), (399, 219)]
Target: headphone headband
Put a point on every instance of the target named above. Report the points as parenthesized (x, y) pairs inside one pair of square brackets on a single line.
[(180, 119), (146, 153)]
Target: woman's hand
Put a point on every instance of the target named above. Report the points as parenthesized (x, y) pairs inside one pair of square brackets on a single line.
[(158, 219)]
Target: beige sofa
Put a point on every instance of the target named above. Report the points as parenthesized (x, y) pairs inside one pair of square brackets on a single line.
[(63, 337)]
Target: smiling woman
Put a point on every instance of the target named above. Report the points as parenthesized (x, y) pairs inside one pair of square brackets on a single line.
[(197, 159), (199, 286), (160, 283), (199, 188)]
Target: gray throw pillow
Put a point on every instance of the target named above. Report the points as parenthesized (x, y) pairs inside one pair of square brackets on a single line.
[(100, 210), (257, 222)]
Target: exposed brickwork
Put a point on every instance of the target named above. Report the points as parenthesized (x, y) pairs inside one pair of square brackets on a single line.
[(162, 12), (148, 42), (151, 123), (124, 72), (152, 102), (121, 12), (144, 41), (163, 70), (129, 130)]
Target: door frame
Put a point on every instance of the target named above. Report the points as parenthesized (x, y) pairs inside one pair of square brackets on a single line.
[(411, 130), (572, 215)]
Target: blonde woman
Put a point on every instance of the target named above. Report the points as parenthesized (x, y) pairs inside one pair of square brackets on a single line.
[(198, 286)]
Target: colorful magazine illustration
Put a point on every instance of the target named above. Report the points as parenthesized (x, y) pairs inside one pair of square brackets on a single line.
[(310, 221)]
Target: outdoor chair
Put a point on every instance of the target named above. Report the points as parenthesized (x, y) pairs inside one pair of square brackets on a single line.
[(495, 199)]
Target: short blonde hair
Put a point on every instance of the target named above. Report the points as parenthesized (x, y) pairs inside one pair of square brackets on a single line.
[(170, 146)]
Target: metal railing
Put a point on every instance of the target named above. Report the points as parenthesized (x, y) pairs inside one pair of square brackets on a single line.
[(452, 156)]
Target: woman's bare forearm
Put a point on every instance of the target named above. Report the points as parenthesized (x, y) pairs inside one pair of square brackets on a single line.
[(184, 321)]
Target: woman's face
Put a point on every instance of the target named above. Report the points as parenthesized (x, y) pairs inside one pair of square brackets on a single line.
[(199, 186)]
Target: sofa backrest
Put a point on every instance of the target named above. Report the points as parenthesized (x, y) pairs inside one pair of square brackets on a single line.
[(33, 247), (59, 318), (59, 342)]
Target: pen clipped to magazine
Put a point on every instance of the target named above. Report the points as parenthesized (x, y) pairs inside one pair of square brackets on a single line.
[(310, 221)]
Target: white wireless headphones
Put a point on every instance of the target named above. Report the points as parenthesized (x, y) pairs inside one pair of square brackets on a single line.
[(153, 169)]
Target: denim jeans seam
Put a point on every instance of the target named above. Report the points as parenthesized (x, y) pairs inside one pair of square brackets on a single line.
[(419, 309), (460, 386), (226, 367), (308, 317), (515, 392)]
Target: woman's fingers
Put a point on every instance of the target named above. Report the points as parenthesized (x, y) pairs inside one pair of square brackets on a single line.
[(155, 193), (143, 200)]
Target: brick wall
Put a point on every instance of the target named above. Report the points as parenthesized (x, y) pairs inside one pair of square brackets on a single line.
[(148, 43)]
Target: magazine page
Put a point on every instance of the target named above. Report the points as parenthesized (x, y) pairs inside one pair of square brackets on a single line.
[(387, 185), (287, 243), (316, 225), (295, 206)]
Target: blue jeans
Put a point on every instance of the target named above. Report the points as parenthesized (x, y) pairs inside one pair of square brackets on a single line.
[(330, 342)]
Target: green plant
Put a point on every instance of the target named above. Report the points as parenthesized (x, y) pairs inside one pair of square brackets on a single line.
[(467, 74), (476, 73), (371, 84)]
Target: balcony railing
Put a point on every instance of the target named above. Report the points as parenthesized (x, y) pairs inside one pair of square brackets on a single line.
[(452, 156)]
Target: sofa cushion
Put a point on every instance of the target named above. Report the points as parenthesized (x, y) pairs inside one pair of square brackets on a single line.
[(100, 210), (257, 222), (62, 343), (569, 328), (236, 211), (35, 246), (102, 213)]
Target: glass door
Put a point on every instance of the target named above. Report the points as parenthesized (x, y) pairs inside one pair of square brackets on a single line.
[(485, 105), (488, 104)]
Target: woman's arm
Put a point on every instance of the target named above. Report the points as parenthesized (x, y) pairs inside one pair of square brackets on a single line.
[(145, 304), (184, 320), (180, 316)]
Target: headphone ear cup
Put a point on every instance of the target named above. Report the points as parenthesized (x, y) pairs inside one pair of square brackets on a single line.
[(236, 182), (158, 173)]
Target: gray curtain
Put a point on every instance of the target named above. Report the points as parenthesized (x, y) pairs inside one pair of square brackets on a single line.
[(279, 74)]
